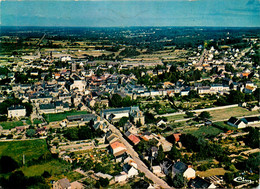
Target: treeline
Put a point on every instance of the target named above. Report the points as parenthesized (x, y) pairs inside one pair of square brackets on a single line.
[(236, 97), (117, 101), (82, 133)]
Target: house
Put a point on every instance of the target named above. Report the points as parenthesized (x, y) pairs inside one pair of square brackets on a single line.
[(156, 169), (118, 113), (16, 111), (117, 148), (161, 122), (236, 123), (166, 166), (47, 108), (249, 89), (185, 170), (77, 185), (78, 84), (177, 137), (200, 183), (100, 125), (185, 92), (251, 120), (154, 151), (134, 139), (254, 108), (130, 170), (62, 184), (104, 176), (121, 178), (112, 137)]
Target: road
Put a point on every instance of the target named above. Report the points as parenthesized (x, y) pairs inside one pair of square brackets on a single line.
[(202, 56), (140, 165)]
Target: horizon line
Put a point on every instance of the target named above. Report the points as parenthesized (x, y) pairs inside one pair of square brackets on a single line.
[(135, 26)]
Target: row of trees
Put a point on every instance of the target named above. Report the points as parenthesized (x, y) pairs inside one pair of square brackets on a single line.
[(117, 101), (82, 133), (236, 97)]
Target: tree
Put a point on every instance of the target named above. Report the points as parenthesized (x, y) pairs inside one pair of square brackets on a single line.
[(46, 174), (161, 155), (115, 101), (88, 165), (252, 139), (193, 94), (174, 154), (189, 114), (228, 177), (235, 97), (17, 180), (7, 164), (123, 121), (178, 181), (204, 115), (149, 118), (104, 182), (30, 132)]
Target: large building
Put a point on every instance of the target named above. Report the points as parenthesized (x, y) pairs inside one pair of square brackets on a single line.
[(117, 113), (16, 111)]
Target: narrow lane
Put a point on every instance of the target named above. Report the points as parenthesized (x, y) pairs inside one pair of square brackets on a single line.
[(140, 164)]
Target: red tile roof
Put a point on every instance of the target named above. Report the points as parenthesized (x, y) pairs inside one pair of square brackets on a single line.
[(134, 139), (117, 144), (177, 137)]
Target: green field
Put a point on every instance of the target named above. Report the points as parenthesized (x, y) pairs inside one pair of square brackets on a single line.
[(225, 114), (11, 124), (204, 131), (176, 117), (30, 148), (225, 126), (54, 167), (61, 116)]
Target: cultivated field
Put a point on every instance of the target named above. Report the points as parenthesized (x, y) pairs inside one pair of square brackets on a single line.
[(225, 114), (62, 116), (211, 172)]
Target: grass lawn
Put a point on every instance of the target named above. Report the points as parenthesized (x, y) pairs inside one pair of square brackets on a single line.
[(37, 121), (73, 176), (54, 167), (30, 148), (204, 131), (11, 124), (176, 117), (225, 126), (228, 112), (61, 116), (28, 122), (211, 172)]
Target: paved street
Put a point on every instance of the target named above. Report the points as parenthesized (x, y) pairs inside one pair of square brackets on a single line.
[(140, 165)]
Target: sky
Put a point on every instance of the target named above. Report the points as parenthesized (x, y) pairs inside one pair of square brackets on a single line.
[(116, 13)]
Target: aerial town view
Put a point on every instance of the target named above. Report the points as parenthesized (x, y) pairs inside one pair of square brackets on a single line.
[(129, 94)]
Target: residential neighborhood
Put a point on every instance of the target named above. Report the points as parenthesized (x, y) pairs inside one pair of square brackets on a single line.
[(78, 113)]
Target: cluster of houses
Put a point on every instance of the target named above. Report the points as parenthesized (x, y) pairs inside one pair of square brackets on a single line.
[(79, 88)]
